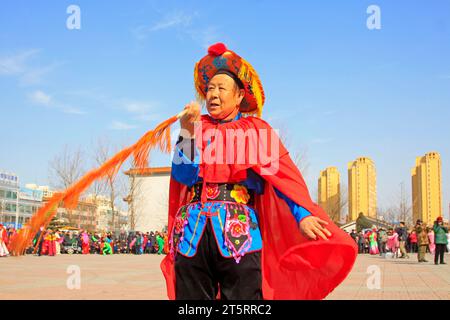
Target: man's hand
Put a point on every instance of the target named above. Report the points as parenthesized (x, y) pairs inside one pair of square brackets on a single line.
[(313, 227), (191, 116)]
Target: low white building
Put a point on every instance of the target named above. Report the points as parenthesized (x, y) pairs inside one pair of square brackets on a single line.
[(148, 199), (17, 204)]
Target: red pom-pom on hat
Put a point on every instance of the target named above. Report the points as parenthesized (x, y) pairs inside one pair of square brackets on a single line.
[(217, 49)]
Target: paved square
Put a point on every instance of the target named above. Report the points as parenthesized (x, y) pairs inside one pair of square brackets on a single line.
[(139, 277), (404, 279)]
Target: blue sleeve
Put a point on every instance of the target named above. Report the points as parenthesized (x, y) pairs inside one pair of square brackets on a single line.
[(254, 182), (185, 170), (297, 211)]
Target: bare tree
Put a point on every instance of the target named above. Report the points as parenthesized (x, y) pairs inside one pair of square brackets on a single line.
[(404, 208), (130, 199), (122, 189), (112, 184), (133, 200), (400, 210), (97, 189), (387, 214), (65, 169), (337, 205), (298, 155), (300, 159)]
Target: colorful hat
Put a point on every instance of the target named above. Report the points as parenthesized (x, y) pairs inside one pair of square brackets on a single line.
[(220, 58)]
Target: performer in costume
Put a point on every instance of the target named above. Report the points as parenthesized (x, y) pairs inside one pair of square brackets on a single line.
[(373, 243), (166, 243), (132, 244), (85, 246), (59, 241), (106, 245), (3, 241), (431, 245), (160, 242), (111, 241), (240, 228), (144, 243), (12, 232), (39, 237), (138, 243), (50, 238), (45, 244), (393, 244)]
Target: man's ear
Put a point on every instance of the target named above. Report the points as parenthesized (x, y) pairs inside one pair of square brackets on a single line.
[(241, 95)]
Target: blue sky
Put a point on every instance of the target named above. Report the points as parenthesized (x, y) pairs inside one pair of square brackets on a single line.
[(338, 89)]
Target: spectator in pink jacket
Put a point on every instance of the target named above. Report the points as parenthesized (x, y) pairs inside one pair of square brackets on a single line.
[(393, 244)]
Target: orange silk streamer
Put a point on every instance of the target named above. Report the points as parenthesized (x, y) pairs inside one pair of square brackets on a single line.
[(160, 136)]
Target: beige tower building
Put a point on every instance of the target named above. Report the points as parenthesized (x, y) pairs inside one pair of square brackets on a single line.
[(427, 188), (362, 188), (330, 193)]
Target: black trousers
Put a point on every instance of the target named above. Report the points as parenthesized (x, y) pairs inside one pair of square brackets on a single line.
[(202, 276), (439, 253), (40, 248), (382, 247), (360, 247)]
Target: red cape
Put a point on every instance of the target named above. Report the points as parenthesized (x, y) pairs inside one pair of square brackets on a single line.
[(293, 267)]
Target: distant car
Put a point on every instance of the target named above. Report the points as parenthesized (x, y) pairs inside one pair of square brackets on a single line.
[(71, 248)]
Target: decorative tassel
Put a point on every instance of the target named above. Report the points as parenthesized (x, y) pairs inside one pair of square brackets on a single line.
[(249, 74), (199, 95), (160, 136)]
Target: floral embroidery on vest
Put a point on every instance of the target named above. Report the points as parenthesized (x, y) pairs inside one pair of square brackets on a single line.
[(212, 190), (178, 229), (240, 194), (237, 232)]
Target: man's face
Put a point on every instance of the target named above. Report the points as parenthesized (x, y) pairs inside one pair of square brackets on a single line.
[(223, 96)]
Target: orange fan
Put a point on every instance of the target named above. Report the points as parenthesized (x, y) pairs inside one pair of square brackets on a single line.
[(160, 136)]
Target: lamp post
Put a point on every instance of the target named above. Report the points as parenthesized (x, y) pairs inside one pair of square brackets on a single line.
[(17, 206), (2, 206)]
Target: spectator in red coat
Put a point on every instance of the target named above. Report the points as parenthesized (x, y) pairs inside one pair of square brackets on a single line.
[(413, 241)]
